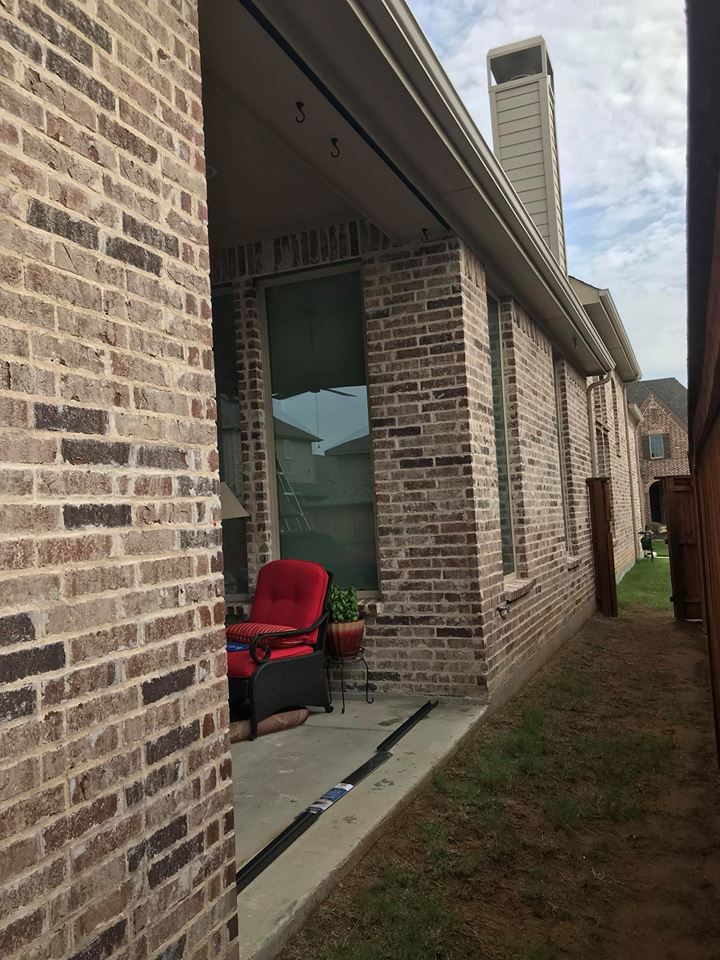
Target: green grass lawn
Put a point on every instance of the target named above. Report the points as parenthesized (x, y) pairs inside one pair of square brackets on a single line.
[(648, 583), (571, 825), (580, 822)]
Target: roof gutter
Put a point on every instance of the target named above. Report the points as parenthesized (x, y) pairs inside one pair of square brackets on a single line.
[(454, 124)]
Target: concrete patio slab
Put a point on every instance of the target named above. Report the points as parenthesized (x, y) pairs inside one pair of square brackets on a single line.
[(277, 776)]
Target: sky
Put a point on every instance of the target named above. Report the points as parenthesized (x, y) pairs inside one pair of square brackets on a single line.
[(620, 93)]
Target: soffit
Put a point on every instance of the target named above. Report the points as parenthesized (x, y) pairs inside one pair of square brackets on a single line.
[(273, 174), (601, 309)]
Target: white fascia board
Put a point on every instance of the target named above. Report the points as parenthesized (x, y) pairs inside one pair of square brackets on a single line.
[(603, 312), (395, 33), (631, 368)]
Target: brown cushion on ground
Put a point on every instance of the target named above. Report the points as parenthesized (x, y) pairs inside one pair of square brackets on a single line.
[(240, 729)]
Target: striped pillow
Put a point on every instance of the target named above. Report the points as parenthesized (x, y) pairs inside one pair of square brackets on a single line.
[(246, 632)]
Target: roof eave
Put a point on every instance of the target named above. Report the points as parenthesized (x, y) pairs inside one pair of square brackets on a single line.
[(604, 315), (628, 368)]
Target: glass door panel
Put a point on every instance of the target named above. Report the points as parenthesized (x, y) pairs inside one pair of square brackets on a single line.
[(320, 425)]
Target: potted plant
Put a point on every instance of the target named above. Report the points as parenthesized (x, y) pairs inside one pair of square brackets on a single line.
[(346, 627)]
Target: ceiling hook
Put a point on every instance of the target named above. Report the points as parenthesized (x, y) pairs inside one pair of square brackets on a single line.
[(335, 152), (300, 116), (425, 237)]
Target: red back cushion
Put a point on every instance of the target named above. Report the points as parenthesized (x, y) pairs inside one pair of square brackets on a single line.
[(290, 592)]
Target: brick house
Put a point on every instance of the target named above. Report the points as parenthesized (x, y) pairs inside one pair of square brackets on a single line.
[(375, 354), (662, 438)]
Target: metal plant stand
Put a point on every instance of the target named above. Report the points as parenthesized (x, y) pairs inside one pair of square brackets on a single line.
[(340, 662)]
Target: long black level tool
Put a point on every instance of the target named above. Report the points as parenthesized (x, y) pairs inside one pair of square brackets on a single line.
[(253, 868), (407, 725)]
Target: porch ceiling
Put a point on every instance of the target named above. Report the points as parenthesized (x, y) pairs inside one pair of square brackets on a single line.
[(270, 175)]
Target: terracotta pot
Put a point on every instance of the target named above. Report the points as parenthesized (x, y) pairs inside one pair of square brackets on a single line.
[(345, 639)]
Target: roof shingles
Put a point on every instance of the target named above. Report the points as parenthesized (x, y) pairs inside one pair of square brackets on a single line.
[(667, 390)]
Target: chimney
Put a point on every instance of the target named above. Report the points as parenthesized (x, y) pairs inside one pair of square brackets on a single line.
[(522, 106)]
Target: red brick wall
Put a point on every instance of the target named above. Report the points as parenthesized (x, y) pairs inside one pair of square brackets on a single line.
[(116, 832), (657, 418)]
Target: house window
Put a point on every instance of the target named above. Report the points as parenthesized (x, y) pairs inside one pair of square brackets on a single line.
[(501, 445), (228, 429), (321, 436), (656, 442)]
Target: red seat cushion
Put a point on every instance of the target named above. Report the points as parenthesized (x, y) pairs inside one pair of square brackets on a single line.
[(241, 665), (245, 632), (291, 592)]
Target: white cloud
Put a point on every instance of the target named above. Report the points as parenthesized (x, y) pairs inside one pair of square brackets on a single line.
[(620, 91)]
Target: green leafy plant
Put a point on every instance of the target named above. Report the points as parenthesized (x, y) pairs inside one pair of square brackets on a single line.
[(344, 606)]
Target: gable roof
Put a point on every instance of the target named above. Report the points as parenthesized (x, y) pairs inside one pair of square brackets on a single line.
[(288, 431), (356, 445), (667, 389)]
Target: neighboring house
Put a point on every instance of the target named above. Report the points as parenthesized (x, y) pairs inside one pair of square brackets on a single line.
[(662, 438), (294, 454), (377, 273), (614, 425)]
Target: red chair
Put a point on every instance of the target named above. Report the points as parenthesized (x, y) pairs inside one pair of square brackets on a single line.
[(276, 659)]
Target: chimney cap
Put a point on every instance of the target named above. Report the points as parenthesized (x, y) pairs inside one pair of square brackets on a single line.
[(515, 61)]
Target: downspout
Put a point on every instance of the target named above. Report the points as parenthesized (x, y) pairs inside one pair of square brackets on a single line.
[(638, 550), (591, 420)]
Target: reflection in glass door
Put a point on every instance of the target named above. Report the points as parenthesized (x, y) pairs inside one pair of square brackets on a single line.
[(320, 425)]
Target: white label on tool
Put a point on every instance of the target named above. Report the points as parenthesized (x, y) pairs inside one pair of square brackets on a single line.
[(328, 799)]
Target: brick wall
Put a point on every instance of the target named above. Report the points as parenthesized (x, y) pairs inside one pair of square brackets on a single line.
[(657, 418), (435, 627), (615, 455), (115, 800), (429, 383), (576, 452), (424, 632), (554, 579)]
